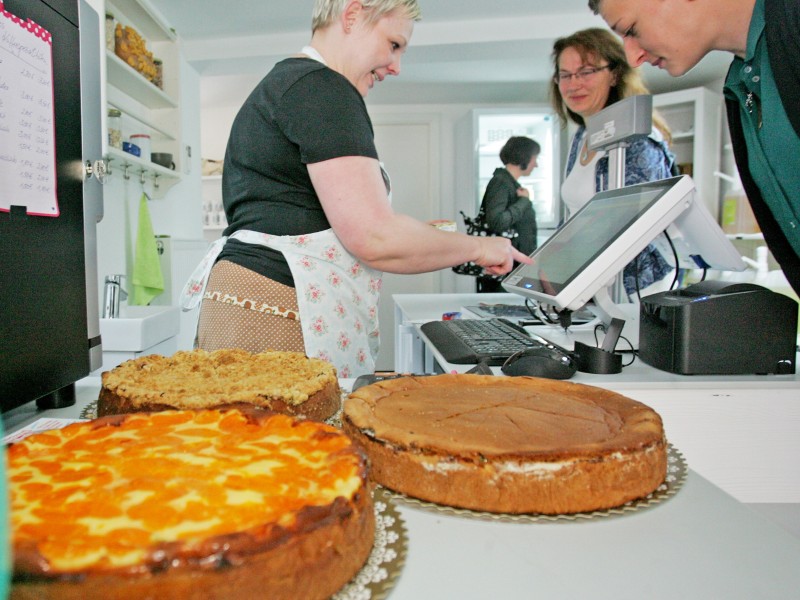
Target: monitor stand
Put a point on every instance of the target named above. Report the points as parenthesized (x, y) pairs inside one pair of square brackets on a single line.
[(604, 309)]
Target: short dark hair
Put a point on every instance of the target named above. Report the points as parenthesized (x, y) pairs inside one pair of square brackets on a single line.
[(595, 6), (519, 150)]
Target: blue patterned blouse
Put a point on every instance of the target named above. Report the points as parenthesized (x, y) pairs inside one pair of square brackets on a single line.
[(646, 159)]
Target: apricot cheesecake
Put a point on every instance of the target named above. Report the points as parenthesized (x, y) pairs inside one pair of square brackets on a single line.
[(188, 504)]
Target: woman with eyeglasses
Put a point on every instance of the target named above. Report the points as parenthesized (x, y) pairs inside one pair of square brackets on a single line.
[(591, 73)]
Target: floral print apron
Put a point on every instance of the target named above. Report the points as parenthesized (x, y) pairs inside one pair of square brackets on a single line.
[(337, 296)]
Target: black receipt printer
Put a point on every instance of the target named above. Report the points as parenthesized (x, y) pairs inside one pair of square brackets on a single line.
[(719, 328)]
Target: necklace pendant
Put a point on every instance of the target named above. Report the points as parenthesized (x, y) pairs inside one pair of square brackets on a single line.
[(751, 102)]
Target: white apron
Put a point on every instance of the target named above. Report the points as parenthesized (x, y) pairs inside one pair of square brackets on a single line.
[(337, 296)]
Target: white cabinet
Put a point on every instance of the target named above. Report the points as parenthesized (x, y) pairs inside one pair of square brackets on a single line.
[(146, 108), (179, 258), (213, 214), (694, 117)]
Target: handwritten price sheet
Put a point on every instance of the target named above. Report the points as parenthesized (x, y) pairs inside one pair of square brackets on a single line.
[(27, 117)]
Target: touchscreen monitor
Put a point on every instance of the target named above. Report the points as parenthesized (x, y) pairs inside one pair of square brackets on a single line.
[(590, 249)]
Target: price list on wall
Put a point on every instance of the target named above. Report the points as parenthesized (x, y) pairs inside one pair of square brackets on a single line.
[(27, 117)]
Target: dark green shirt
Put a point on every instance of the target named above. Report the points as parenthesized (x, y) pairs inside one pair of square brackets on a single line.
[(773, 147)]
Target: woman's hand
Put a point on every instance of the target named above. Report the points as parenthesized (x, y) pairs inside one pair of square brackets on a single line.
[(498, 255), (353, 196)]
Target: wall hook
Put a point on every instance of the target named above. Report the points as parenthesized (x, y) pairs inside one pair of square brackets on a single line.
[(126, 174), (155, 181), (141, 176)]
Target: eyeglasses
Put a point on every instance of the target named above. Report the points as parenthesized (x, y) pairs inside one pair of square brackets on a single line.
[(588, 72)]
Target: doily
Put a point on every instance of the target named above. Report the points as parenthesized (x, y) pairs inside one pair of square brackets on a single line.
[(379, 574)]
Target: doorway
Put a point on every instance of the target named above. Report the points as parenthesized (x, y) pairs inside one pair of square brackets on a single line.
[(408, 146)]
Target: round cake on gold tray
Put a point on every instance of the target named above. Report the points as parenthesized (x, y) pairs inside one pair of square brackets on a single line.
[(188, 504), (508, 444), (286, 382)]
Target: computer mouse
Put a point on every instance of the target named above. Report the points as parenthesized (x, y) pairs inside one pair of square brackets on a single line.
[(550, 363)]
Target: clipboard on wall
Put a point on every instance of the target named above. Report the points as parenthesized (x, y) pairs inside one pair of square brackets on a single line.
[(27, 117)]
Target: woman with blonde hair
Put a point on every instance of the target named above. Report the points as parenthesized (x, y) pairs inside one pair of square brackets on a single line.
[(310, 223), (591, 73)]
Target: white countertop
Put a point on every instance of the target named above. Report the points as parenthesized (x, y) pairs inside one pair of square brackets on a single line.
[(417, 309), (701, 543), (740, 432)]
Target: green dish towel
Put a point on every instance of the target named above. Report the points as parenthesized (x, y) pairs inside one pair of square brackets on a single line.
[(147, 281)]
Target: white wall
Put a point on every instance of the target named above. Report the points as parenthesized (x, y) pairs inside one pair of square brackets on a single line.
[(215, 126)]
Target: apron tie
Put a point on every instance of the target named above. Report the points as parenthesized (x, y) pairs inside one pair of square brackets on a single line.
[(195, 287)]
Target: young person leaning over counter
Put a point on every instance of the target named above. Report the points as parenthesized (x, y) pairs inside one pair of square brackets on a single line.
[(311, 227), (762, 91)]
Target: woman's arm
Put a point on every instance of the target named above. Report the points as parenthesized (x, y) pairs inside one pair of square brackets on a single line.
[(353, 196)]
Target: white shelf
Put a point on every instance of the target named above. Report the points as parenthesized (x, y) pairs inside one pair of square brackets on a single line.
[(683, 135), (131, 110), (133, 167), (149, 21), (146, 108), (119, 157), (695, 116), (212, 198), (132, 84)]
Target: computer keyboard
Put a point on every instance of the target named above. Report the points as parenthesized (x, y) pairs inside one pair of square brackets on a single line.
[(470, 341)]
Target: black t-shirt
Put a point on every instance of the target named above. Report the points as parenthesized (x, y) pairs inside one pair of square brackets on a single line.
[(301, 113)]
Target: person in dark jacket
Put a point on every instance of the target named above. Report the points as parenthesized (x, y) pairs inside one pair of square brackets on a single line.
[(762, 91), (507, 205)]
